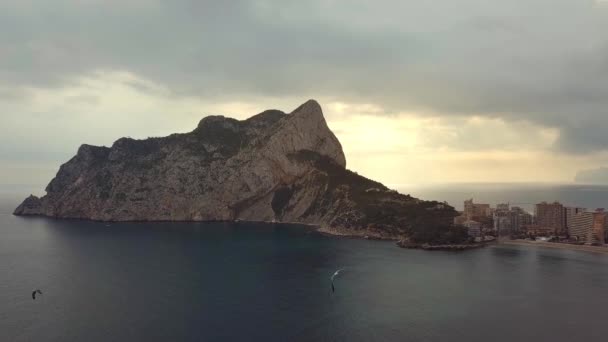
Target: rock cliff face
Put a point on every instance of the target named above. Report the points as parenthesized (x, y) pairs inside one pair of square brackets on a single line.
[(270, 167)]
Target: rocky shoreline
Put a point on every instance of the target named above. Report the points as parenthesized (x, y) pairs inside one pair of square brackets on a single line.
[(401, 241), (364, 234), (449, 247)]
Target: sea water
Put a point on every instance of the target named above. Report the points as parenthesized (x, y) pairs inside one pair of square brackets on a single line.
[(271, 282)]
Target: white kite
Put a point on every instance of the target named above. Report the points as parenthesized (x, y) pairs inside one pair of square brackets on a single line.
[(333, 289)]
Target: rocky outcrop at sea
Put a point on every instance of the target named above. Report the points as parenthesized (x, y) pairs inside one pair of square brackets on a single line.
[(271, 167)]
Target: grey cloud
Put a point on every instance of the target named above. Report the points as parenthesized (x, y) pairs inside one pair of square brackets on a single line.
[(538, 60), (83, 99), (12, 94)]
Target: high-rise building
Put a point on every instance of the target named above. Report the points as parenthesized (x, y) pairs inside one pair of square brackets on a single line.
[(600, 225), (510, 220), (476, 210), (569, 213), (550, 217), (503, 207), (502, 225), (589, 227), (580, 226), (502, 220), (519, 219)]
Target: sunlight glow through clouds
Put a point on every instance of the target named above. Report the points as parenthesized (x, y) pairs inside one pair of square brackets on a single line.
[(395, 148), (601, 3), (410, 148)]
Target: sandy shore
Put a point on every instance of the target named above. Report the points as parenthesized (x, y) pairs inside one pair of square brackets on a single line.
[(585, 248)]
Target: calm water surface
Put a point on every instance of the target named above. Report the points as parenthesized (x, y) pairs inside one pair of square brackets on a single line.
[(243, 282), (518, 194)]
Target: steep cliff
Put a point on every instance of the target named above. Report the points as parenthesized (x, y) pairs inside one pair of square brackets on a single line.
[(272, 166)]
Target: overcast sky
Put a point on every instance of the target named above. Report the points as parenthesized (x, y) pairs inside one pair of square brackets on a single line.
[(418, 91)]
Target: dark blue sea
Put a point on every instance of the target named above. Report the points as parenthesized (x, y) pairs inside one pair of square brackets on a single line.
[(270, 282)]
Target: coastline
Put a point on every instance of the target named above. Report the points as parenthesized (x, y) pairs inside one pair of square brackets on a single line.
[(319, 228), (401, 240), (449, 247), (348, 233), (556, 245), (322, 229)]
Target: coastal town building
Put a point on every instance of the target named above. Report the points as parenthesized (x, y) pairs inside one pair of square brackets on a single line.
[(519, 219), (570, 213), (581, 226), (474, 228), (536, 230), (550, 217), (476, 210), (600, 225), (502, 225), (502, 221), (510, 220), (503, 207), (589, 227)]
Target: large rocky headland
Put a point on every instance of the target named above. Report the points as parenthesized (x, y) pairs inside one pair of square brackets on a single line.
[(271, 167)]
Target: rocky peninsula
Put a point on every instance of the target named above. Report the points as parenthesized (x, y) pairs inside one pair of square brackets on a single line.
[(271, 167)]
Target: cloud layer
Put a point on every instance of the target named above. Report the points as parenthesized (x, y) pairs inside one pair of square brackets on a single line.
[(531, 71)]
